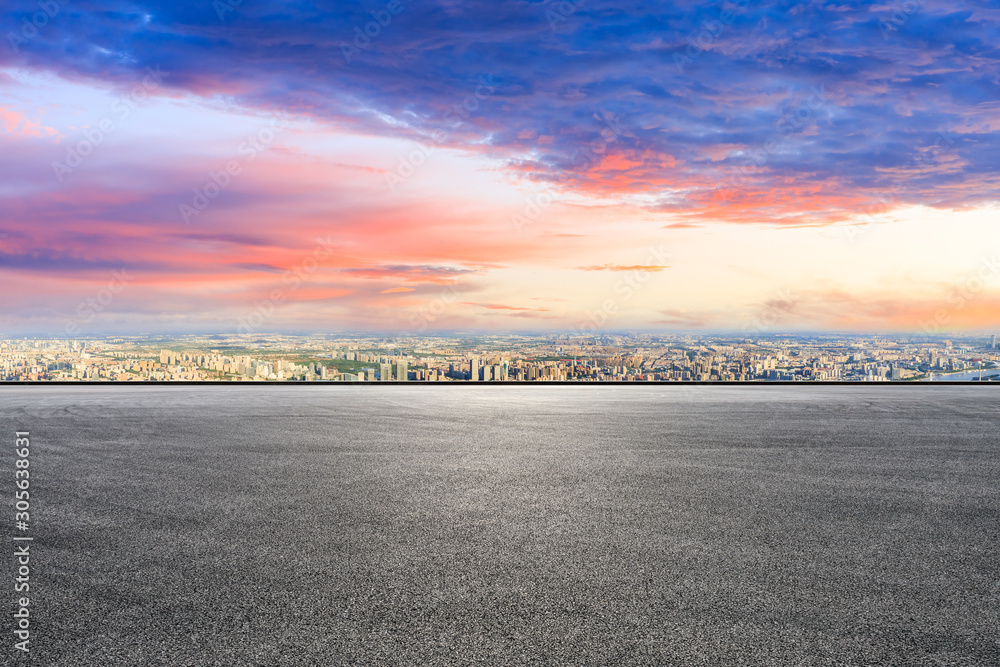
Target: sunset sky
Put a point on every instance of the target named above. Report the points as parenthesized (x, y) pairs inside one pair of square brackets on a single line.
[(511, 166)]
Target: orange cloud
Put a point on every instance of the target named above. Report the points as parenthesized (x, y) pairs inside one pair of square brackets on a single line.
[(18, 124), (499, 306), (619, 267), (722, 194), (396, 290)]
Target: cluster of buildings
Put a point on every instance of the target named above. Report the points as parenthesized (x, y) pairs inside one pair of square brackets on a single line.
[(511, 358)]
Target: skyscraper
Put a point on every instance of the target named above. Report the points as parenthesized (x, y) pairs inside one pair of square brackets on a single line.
[(402, 370), (993, 341), (386, 372), (474, 369)]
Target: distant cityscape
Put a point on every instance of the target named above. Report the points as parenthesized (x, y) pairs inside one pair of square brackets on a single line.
[(501, 358)]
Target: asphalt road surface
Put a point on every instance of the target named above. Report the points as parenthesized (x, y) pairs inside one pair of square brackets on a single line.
[(509, 525)]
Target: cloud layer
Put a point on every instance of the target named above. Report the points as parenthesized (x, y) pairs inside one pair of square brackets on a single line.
[(744, 111), (641, 121)]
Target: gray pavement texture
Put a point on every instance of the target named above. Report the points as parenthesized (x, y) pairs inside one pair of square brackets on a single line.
[(510, 525)]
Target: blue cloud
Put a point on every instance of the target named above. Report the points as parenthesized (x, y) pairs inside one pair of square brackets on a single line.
[(698, 94)]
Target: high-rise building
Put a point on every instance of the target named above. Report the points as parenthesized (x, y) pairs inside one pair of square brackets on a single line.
[(993, 341), (402, 370), (386, 372), (474, 369)]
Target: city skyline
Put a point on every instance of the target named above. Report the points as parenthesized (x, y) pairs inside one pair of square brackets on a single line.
[(611, 358), (417, 168)]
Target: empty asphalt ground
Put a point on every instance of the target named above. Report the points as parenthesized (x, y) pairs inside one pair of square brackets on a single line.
[(509, 525)]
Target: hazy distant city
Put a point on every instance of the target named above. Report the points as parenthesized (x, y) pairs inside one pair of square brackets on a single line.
[(501, 358)]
